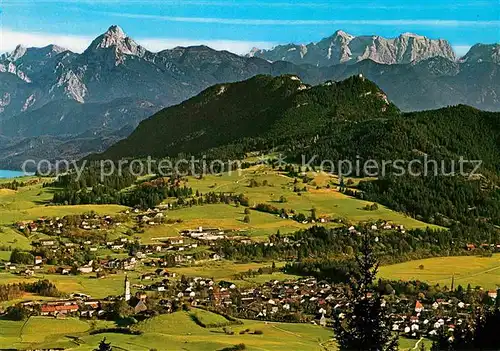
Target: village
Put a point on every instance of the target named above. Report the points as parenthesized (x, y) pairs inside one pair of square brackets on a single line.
[(65, 249), (305, 300)]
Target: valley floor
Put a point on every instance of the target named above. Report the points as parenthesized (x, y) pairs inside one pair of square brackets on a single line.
[(178, 331)]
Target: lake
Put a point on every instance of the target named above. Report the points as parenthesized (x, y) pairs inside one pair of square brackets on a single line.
[(11, 174)]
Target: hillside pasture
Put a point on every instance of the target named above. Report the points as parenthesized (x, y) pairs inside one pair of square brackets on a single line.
[(271, 187), (84, 283), (175, 331), (473, 270)]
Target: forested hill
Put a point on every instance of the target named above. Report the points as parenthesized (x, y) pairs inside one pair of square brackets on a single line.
[(273, 110), (335, 121), (348, 120), (443, 134)]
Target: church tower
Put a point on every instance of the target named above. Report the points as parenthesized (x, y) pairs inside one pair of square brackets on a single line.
[(127, 288)]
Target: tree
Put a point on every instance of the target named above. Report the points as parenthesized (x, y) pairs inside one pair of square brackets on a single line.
[(486, 336), (104, 346), (23, 257), (16, 313), (121, 309), (364, 324), (313, 213)]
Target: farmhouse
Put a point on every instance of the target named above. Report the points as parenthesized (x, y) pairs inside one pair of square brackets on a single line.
[(56, 308)]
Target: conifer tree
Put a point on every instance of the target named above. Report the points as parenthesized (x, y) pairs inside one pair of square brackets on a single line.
[(104, 346), (364, 324)]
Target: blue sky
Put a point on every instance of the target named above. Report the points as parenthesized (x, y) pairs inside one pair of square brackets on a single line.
[(239, 25)]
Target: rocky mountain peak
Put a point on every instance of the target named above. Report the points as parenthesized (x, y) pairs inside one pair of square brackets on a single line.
[(341, 34), (54, 49), (18, 52), (342, 47), (116, 39), (33, 53)]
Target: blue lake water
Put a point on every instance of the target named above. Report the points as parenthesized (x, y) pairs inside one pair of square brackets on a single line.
[(11, 174)]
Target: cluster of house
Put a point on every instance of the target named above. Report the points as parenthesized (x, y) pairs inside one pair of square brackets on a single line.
[(27, 270), (380, 226), (151, 218), (205, 234), (79, 305), (276, 299), (491, 247), (209, 236), (84, 306), (56, 225), (428, 318), (292, 215)]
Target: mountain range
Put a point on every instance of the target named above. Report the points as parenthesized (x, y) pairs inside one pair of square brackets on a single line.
[(344, 48), (51, 93)]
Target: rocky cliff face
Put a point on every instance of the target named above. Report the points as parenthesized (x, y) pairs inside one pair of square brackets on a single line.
[(342, 48)]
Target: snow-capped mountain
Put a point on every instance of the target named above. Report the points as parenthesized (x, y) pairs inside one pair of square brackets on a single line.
[(342, 48)]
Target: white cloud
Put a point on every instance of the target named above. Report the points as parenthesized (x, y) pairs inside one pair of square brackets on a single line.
[(279, 22), (280, 4), (10, 39), (461, 50)]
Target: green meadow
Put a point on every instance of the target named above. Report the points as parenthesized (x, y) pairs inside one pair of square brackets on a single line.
[(178, 331), (32, 202), (273, 186), (84, 283), (175, 331), (473, 270)]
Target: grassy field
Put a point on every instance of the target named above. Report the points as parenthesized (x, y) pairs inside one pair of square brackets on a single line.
[(18, 179), (411, 344), (473, 270), (44, 332), (11, 238), (175, 331), (326, 201), (85, 283), (207, 317), (31, 202), (178, 331)]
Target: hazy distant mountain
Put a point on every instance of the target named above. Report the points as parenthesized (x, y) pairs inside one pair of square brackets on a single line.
[(343, 48), (430, 84), (483, 53)]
